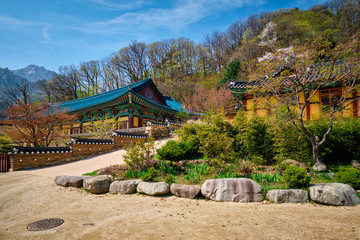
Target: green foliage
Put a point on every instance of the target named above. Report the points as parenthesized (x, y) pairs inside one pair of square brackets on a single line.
[(296, 177), (165, 168), (5, 144), (349, 176), (288, 142), (225, 175), (342, 144), (194, 172), (176, 151), (150, 175), (138, 155), (254, 139), (170, 179), (266, 178), (90, 173), (130, 174), (231, 72)]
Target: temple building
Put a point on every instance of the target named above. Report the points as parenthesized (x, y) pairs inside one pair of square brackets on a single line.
[(132, 106), (321, 99)]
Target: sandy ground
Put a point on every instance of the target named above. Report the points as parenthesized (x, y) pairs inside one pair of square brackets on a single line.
[(29, 196)]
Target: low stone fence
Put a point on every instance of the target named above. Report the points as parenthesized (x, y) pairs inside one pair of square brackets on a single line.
[(33, 157), (221, 190)]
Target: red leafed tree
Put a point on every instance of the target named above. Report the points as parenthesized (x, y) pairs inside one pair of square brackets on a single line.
[(35, 123), (208, 100)]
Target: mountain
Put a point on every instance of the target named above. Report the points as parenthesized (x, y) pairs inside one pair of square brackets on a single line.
[(34, 73), (9, 79)]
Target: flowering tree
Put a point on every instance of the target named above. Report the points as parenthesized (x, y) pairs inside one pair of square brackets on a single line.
[(207, 100), (295, 75), (35, 123)]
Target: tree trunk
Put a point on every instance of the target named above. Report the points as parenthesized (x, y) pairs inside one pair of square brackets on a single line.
[(316, 157)]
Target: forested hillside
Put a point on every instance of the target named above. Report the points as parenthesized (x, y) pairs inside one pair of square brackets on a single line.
[(180, 66)]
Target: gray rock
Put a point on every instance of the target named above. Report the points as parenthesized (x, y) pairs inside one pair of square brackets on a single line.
[(232, 190), (185, 191), (152, 189), (98, 184), (319, 167), (355, 164), (337, 194), (124, 187), (69, 181), (288, 196)]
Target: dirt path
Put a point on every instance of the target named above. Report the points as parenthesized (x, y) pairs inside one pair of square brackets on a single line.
[(26, 198), (84, 166)]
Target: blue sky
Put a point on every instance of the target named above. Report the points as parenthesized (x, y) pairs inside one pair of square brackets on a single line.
[(51, 33)]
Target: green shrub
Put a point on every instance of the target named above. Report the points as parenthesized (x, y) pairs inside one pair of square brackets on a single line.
[(170, 179), (226, 175), (5, 144), (349, 176), (138, 155), (172, 151), (296, 177), (90, 173), (266, 178), (254, 140), (342, 145), (194, 172), (245, 166), (150, 175), (165, 168), (130, 174)]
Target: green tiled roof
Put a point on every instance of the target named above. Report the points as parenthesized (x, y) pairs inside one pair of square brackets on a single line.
[(106, 97)]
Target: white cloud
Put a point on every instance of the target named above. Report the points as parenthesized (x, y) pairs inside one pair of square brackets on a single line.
[(45, 32), (183, 13), (126, 5)]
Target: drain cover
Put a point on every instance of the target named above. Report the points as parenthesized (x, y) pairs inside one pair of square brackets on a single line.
[(45, 224)]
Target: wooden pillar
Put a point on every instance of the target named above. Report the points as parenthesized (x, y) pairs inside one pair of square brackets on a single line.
[(140, 121), (131, 120), (355, 105), (307, 107)]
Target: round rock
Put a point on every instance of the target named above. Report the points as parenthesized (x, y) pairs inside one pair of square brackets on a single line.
[(337, 194), (288, 196), (69, 181), (124, 187), (232, 190), (98, 184), (152, 189), (185, 191)]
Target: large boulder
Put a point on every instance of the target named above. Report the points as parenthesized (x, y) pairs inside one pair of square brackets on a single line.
[(152, 189), (232, 190), (69, 181), (185, 191), (355, 164), (124, 187), (319, 167), (98, 184), (337, 194), (288, 196)]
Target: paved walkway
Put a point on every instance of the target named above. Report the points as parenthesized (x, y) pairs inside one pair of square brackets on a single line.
[(84, 166)]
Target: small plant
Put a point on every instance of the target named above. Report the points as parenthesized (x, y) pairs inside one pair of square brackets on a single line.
[(296, 177), (226, 175), (266, 178), (130, 174), (150, 175), (349, 176), (195, 171), (90, 173), (246, 167), (166, 169), (138, 155), (170, 179)]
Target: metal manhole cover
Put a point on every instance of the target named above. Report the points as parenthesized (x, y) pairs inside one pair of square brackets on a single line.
[(45, 224)]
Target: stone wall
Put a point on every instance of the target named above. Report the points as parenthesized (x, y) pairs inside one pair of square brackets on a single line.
[(27, 157)]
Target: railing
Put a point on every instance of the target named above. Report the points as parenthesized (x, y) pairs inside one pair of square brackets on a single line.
[(4, 162)]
